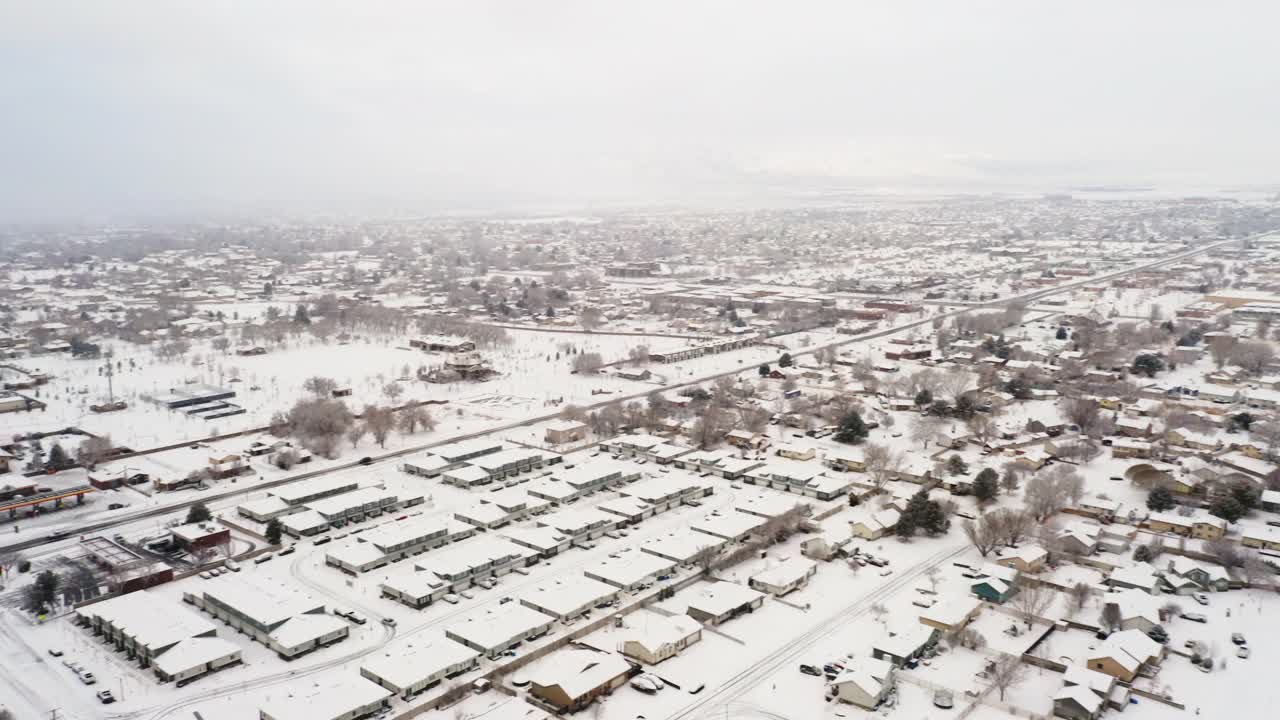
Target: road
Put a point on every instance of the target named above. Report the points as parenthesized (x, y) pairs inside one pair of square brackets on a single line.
[(1025, 298)]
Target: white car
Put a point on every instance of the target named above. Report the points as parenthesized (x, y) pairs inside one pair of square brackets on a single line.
[(487, 583), (1243, 653), (1201, 598), (451, 599)]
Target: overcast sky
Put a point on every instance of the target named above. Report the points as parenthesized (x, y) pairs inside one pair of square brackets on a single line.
[(167, 107)]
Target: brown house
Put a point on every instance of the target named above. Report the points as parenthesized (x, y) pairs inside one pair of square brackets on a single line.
[(574, 678)]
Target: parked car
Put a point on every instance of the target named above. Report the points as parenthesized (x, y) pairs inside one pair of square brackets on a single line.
[(54, 652), (1237, 638), (1195, 617), (451, 599), (356, 618), (389, 622), (645, 684), (943, 699), (1243, 653), (87, 678), (1158, 634), (487, 583), (810, 670), (1200, 598), (105, 697), (468, 594), (289, 550)]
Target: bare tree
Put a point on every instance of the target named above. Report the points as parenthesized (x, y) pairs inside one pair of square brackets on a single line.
[(638, 355), (1006, 672), (1044, 496), (1254, 357), (93, 450), (412, 418), (379, 422), (321, 387), (1080, 595), (1220, 350), (392, 391), (709, 428), (1110, 617), (590, 318), (753, 418), (356, 432), (1224, 550), (982, 533), (1086, 413), (1031, 600), (587, 362), (882, 464)]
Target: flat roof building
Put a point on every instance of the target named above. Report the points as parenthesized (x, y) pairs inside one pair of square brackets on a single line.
[(494, 631), (419, 667)]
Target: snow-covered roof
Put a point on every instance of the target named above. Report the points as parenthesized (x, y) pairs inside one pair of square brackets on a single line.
[(339, 697), (578, 672), (722, 597), (411, 664), (194, 653)]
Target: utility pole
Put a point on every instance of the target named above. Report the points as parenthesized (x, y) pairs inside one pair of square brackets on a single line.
[(111, 395)]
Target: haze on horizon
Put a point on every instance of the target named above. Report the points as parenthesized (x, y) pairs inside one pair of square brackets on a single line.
[(136, 107)]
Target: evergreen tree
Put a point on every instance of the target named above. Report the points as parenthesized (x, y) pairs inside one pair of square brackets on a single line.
[(986, 485), (1062, 333), (785, 360), (275, 530), (956, 465), (1160, 499), (199, 513), (300, 315), (924, 397), (764, 370), (1227, 508), (906, 526), (58, 458), (852, 430)]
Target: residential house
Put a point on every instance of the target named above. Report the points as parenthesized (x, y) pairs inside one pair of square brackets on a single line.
[(1076, 702), (865, 682), (1028, 558), (658, 638), (993, 589), (1125, 654), (875, 525), (1203, 527), (578, 677), (565, 431)]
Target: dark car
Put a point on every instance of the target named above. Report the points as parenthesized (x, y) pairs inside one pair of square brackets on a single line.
[(810, 670), (1158, 634), (366, 460)]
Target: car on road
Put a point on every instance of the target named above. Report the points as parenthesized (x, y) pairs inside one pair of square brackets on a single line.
[(389, 622), (54, 652), (810, 670), (105, 697), (1195, 617), (366, 460), (1237, 638), (504, 601), (1243, 653)]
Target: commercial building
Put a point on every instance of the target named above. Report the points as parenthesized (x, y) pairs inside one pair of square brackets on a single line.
[(200, 536)]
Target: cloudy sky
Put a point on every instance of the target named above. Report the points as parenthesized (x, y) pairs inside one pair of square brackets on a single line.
[(162, 107)]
